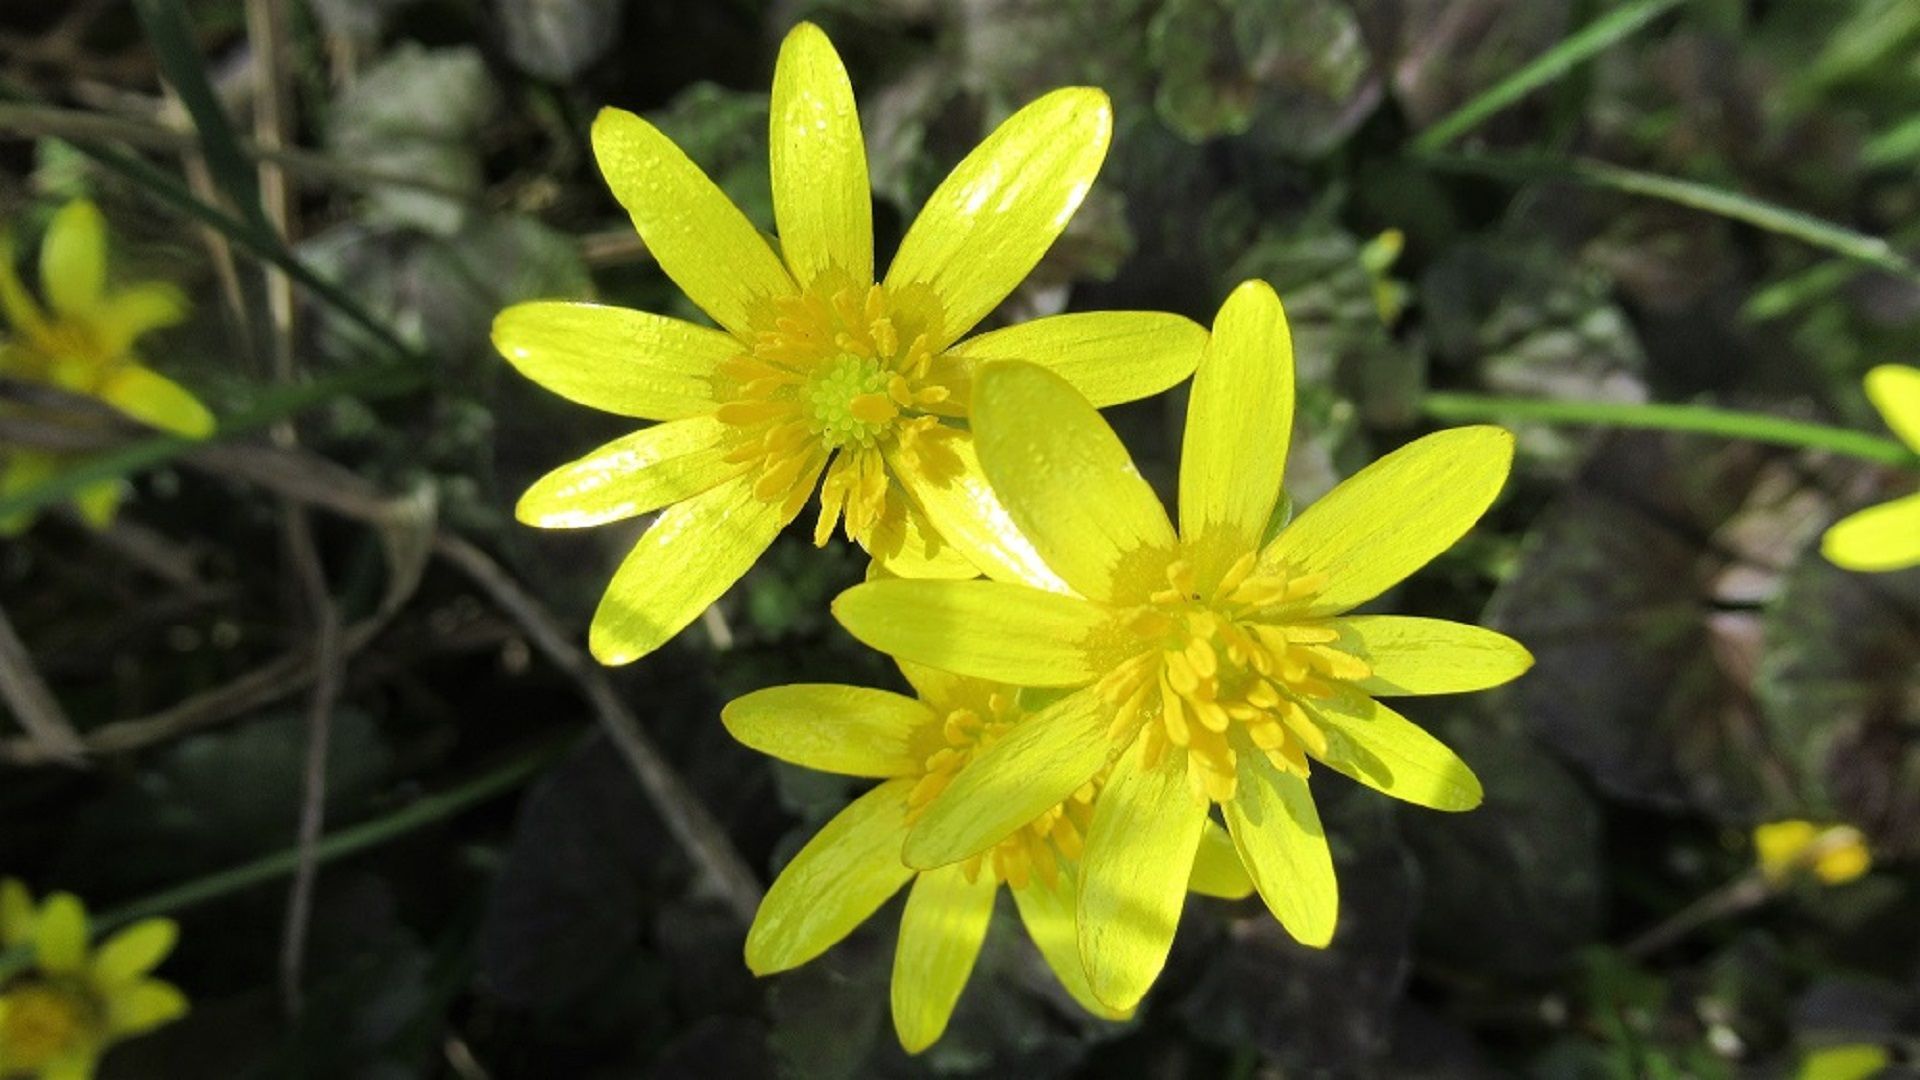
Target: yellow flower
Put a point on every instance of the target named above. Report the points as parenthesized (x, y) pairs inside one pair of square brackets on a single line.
[(1887, 536), (918, 748), (817, 370), (1835, 854), (82, 341), (1206, 666), (58, 1018)]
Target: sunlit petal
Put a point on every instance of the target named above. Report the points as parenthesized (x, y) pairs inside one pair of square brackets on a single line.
[(822, 202), (987, 629), (1239, 421), (155, 400), (131, 953), (840, 877), (73, 259), (1393, 755), (632, 363), (1109, 356), (1277, 830), (1046, 909), (962, 507), (1217, 869), (60, 935), (941, 930), (649, 469), (1879, 538), (1430, 656), (839, 729), (1894, 389)]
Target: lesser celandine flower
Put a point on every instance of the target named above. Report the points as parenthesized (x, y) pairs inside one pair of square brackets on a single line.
[(817, 370), (1206, 667), (1887, 536), (57, 1018), (82, 341), (917, 747), (1835, 854)]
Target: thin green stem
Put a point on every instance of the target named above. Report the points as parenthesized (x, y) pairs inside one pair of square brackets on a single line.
[(1582, 46), (1696, 419)]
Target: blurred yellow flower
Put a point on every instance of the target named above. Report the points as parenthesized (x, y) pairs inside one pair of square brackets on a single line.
[(82, 342), (819, 375), (1206, 666), (917, 748), (1850, 1061), (57, 1018), (1887, 536), (1834, 853)]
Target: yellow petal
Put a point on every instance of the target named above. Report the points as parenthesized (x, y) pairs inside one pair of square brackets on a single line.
[(157, 401), (989, 630), (1276, 829), (144, 1006), (1109, 356), (702, 241), (73, 259), (1848, 1061), (1883, 537), (822, 201), (962, 508), (649, 469), (1044, 759), (1835, 854), (940, 934), (1430, 656), (98, 502), (940, 689), (23, 470), (1393, 755), (133, 952), (1217, 870), (1894, 389), (1046, 909), (16, 913), (125, 315), (992, 218), (22, 311), (688, 558), (838, 729), (922, 553), (78, 1063), (1140, 853), (1067, 481), (1392, 517), (842, 876), (60, 935), (632, 363), (1239, 420)]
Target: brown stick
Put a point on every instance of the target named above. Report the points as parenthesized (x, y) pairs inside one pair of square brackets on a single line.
[(32, 703)]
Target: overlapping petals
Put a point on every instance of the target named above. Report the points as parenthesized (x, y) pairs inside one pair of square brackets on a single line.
[(1887, 536)]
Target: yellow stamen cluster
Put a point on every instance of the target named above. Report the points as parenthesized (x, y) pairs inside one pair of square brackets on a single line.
[(1229, 674), (41, 1022), (1033, 851), (839, 375)]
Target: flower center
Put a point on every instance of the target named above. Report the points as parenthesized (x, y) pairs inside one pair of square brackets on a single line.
[(1229, 674), (839, 377), (1036, 849), (39, 1023)]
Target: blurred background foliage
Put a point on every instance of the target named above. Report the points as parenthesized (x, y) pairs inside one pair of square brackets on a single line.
[(1701, 670)]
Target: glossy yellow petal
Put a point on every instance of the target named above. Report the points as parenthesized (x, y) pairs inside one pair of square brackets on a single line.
[(1140, 854), (1239, 421), (157, 401), (962, 508), (1391, 518), (940, 934), (632, 363), (1883, 537), (73, 259), (649, 469), (1276, 829), (687, 559), (1430, 656), (1391, 754), (850, 730), (1046, 909), (1044, 759), (822, 201), (1217, 870), (145, 1005), (133, 952), (992, 218), (989, 630), (842, 876), (124, 316), (1067, 481), (702, 241), (16, 913), (1894, 389), (1109, 356), (60, 935)]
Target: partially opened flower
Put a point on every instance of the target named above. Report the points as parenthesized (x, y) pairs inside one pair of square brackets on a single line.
[(1205, 666), (57, 1018), (817, 370), (1887, 536), (83, 341), (917, 748)]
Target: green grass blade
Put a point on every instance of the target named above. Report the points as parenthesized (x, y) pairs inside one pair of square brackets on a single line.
[(1585, 43), (1774, 218)]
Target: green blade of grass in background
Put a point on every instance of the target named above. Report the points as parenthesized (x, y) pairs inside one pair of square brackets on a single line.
[(1733, 205), (1692, 419), (1583, 45)]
